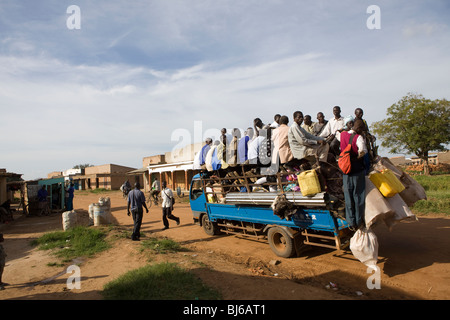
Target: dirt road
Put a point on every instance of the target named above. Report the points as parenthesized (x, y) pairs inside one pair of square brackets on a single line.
[(414, 261)]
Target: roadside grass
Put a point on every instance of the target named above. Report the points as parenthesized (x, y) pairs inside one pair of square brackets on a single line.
[(163, 281), (161, 246), (73, 243), (437, 188)]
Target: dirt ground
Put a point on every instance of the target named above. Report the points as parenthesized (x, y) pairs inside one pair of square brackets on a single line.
[(414, 259)]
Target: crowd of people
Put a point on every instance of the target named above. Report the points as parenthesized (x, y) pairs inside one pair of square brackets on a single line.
[(300, 146)]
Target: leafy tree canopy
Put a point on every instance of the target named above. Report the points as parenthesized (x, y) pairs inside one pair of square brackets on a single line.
[(82, 166), (415, 125)]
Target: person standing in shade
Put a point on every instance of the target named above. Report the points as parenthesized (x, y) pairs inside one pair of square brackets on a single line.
[(70, 193), (167, 206), (136, 200), (43, 203)]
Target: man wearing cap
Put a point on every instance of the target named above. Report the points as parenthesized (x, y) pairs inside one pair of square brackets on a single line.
[(354, 183)]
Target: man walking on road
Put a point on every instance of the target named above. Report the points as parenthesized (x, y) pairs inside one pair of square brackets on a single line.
[(167, 206), (136, 200)]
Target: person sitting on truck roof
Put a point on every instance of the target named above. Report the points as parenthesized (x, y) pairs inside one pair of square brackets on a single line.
[(284, 150), (232, 149), (276, 121), (243, 146), (307, 124), (204, 151), (303, 144), (320, 124)]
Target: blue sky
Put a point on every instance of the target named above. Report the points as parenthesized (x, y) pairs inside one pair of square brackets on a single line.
[(115, 90)]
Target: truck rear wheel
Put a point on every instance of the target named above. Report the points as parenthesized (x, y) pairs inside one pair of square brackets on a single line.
[(280, 242), (209, 227)]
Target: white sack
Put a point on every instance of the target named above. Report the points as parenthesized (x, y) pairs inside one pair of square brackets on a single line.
[(377, 206), (364, 246), (401, 211), (69, 219)]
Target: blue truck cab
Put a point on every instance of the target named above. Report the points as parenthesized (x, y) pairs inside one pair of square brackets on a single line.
[(314, 220)]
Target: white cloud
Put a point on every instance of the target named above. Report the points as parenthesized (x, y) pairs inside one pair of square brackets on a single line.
[(135, 72)]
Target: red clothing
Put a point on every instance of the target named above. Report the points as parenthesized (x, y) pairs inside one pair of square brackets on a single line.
[(345, 138), (357, 164)]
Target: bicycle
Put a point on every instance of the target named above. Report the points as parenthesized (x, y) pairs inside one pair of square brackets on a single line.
[(150, 200)]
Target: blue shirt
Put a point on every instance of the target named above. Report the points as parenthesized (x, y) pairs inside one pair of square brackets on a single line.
[(70, 192), (42, 195), (136, 199), (205, 150), (243, 149)]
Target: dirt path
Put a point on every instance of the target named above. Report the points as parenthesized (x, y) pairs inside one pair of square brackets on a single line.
[(414, 261)]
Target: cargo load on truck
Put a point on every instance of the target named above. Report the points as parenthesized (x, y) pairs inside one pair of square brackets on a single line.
[(297, 204)]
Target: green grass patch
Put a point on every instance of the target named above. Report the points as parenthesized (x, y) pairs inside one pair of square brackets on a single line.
[(161, 245), (164, 281), (438, 195), (73, 243)]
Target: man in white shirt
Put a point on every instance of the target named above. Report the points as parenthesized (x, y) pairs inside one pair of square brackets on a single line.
[(167, 206), (329, 132), (276, 121)]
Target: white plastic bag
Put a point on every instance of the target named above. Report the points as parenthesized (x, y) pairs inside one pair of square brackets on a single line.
[(364, 246)]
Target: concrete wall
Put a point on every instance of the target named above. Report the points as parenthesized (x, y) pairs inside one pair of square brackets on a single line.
[(152, 160), (183, 154)]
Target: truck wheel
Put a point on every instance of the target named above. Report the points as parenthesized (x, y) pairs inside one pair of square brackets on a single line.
[(280, 242), (209, 227)]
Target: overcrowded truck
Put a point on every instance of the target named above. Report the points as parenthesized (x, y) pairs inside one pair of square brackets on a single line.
[(293, 210)]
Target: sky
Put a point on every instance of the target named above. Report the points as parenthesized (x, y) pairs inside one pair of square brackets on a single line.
[(117, 81)]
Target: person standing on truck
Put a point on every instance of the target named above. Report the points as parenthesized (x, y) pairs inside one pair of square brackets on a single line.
[(136, 200), (354, 183), (334, 125), (167, 206)]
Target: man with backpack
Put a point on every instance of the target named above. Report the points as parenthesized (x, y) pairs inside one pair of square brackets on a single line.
[(353, 149)]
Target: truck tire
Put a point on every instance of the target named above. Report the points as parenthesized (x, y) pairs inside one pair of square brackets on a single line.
[(209, 227), (281, 242)]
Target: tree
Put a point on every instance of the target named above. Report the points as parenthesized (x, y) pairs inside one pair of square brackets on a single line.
[(415, 125), (82, 166)]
